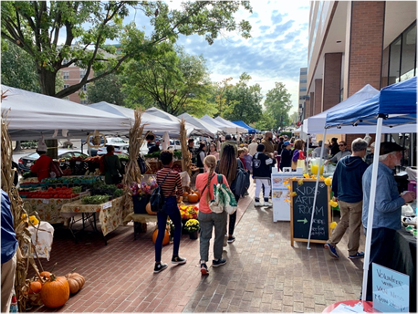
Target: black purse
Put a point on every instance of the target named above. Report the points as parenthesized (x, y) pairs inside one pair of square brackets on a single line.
[(157, 199)]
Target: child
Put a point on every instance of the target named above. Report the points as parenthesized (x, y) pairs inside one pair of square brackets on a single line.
[(241, 153), (262, 167), (248, 160), (286, 157)]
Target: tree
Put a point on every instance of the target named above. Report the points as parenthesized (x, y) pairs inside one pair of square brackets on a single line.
[(278, 105), (245, 101), (108, 89), (172, 80), (18, 69), (220, 91), (294, 117), (36, 26), (266, 123)]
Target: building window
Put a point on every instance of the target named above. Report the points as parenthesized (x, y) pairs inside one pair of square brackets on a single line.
[(83, 101), (66, 86), (82, 72), (302, 89), (303, 80), (66, 75), (304, 72)]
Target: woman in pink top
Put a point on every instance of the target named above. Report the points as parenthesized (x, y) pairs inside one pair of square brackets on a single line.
[(212, 151), (208, 219)]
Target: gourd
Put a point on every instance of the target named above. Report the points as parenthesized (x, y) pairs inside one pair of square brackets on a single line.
[(166, 239), (55, 292), (148, 209), (75, 281), (193, 197), (35, 287), (45, 275)]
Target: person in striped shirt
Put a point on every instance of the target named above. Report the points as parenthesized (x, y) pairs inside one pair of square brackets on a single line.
[(170, 183)]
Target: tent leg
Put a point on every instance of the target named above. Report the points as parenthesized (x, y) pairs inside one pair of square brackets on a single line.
[(371, 209), (316, 189)]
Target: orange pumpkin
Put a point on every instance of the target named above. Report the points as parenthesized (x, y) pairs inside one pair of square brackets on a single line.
[(148, 209), (55, 292), (75, 281), (198, 193), (185, 194), (35, 287), (166, 239), (193, 197), (45, 275)]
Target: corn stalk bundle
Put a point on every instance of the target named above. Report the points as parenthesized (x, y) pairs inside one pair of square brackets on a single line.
[(132, 171), (25, 248), (186, 160)]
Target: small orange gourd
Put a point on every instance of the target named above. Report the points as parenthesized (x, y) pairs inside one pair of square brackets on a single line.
[(193, 197), (45, 275), (35, 287), (166, 238), (55, 292), (148, 209)]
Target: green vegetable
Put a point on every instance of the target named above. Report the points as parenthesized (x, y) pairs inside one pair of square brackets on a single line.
[(28, 174), (77, 189), (118, 193), (96, 199)]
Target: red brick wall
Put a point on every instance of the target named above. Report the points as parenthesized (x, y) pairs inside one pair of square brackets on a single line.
[(74, 78), (349, 138), (366, 44), (332, 80), (318, 97)]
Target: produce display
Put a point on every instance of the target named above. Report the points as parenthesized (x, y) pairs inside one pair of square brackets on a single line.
[(58, 192), (95, 199), (102, 193)]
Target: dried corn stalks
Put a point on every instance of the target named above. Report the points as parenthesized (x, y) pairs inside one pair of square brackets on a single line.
[(186, 160), (25, 248), (132, 171)]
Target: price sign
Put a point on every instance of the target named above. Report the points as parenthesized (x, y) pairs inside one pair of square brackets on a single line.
[(107, 205), (45, 201)]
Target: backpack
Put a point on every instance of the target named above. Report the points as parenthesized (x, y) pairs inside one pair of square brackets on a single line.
[(241, 182), (141, 164), (157, 199), (223, 198)]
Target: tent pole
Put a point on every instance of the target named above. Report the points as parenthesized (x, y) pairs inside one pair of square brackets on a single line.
[(371, 208), (316, 188)]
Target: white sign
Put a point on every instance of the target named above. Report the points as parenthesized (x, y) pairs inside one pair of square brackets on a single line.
[(107, 205), (45, 201), (390, 290)]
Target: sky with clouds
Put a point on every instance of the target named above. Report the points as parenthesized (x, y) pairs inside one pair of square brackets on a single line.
[(275, 53)]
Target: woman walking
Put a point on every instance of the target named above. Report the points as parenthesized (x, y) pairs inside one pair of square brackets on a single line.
[(200, 153), (208, 219), (169, 180), (227, 166), (212, 151)]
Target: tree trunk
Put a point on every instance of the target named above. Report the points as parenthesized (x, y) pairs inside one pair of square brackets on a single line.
[(47, 81), (18, 146)]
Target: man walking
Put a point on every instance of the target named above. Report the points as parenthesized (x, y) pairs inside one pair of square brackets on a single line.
[(347, 188), (268, 144), (387, 209)]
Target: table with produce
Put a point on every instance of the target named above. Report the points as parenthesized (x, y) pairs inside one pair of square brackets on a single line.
[(105, 199)]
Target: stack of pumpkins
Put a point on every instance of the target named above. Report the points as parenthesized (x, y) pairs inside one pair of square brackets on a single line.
[(54, 291)]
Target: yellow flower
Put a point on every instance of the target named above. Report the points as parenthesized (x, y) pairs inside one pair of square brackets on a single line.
[(300, 181), (322, 177), (286, 182), (33, 220), (288, 186), (287, 200), (293, 194), (333, 204), (328, 181), (306, 175), (294, 178)]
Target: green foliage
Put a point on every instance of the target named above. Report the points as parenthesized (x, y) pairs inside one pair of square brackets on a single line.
[(265, 123), (36, 26), (278, 105), (108, 88), (244, 101)]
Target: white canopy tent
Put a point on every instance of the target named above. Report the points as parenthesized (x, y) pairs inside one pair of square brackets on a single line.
[(238, 129), (209, 128), (32, 115), (218, 124)]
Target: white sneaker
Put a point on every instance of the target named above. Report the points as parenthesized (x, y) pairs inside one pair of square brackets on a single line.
[(257, 204), (268, 204)]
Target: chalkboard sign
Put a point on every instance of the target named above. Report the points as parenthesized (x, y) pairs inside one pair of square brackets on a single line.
[(301, 212)]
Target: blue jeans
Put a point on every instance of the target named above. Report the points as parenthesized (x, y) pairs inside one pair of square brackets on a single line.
[(173, 212)]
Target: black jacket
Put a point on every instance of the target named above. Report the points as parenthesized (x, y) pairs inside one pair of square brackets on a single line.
[(286, 158), (262, 166)]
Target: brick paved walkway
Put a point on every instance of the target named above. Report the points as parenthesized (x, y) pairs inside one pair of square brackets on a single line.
[(263, 274)]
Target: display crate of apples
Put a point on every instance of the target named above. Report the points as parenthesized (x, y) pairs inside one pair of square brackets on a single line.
[(58, 192)]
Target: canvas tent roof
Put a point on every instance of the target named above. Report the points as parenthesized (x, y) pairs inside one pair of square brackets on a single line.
[(32, 115), (238, 129), (218, 124), (244, 125), (210, 129)]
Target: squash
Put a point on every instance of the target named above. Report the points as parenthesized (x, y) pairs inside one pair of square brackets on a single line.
[(198, 193), (35, 287), (75, 281), (193, 197), (45, 275), (166, 238), (148, 209), (55, 292)]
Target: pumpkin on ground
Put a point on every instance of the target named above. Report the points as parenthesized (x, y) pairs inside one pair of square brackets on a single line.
[(75, 281), (148, 209), (35, 287), (166, 239), (55, 292), (45, 275)]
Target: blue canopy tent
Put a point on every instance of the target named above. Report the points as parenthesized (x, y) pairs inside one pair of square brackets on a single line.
[(244, 125), (395, 106)]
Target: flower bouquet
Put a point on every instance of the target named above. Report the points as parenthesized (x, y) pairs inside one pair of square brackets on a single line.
[(188, 212), (192, 227), (141, 192)]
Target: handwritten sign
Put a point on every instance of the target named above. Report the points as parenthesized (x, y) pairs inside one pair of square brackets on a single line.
[(301, 211), (107, 205), (390, 290)]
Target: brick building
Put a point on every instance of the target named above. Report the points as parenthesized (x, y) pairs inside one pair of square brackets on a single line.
[(73, 75), (354, 43)]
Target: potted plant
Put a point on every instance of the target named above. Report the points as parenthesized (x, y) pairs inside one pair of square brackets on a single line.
[(141, 193), (192, 227)]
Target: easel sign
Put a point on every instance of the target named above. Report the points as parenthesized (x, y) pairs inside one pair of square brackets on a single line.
[(301, 211), (390, 290)]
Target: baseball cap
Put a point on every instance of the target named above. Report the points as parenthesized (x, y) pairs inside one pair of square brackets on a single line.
[(286, 143), (389, 147)]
